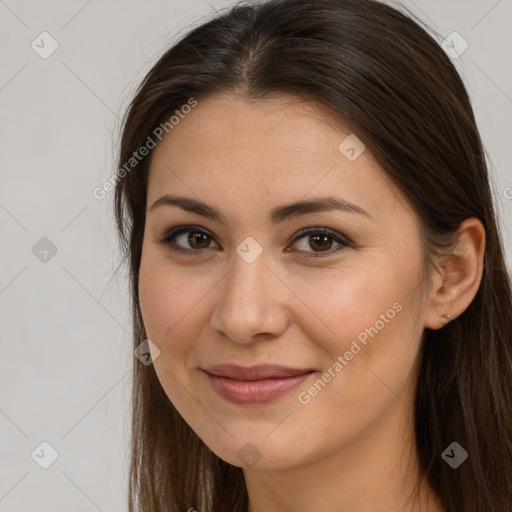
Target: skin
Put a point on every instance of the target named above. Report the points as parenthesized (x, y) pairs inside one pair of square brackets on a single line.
[(351, 447)]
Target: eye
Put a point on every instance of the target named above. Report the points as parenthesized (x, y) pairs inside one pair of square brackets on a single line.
[(196, 239), (321, 240), (190, 239)]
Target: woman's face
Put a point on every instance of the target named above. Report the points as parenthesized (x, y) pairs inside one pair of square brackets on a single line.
[(341, 310)]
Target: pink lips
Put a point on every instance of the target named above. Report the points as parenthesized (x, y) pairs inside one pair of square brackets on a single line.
[(255, 385)]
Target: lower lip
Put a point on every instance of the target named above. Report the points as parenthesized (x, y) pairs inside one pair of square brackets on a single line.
[(256, 392)]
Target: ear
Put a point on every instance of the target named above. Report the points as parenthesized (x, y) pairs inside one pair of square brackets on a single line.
[(459, 276)]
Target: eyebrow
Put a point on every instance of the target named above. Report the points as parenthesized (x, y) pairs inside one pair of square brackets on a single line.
[(277, 214)]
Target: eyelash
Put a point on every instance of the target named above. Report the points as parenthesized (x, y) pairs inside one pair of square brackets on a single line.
[(168, 240)]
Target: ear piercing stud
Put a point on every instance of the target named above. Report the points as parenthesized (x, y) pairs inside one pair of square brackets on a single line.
[(447, 316)]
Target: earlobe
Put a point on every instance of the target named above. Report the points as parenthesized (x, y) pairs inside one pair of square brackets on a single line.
[(447, 317), (459, 278)]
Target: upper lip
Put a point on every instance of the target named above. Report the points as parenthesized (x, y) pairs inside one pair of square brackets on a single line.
[(257, 372)]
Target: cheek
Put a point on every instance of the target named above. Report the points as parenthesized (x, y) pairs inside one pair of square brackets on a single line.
[(168, 303), (369, 353), (337, 306), (368, 316)]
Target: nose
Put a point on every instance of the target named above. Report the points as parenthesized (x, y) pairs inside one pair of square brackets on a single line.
[(251, 304)]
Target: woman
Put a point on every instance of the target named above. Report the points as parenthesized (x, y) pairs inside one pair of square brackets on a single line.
[(317, 272)]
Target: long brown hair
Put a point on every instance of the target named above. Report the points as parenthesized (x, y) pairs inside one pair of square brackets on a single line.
[(379, 72)]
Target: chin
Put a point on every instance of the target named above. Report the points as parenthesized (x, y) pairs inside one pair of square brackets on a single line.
[(256, 451)]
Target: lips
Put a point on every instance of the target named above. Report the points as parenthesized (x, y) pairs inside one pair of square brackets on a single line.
[(255, 385)]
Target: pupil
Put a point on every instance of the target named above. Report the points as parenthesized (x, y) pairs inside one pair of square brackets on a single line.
[(326, 241), (196, 237)]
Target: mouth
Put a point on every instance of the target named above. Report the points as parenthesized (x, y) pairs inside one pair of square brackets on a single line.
[(255, 385)]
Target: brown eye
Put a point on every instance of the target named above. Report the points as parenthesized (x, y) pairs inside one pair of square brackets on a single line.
[(198, 240), (187, 239), (321, 240)]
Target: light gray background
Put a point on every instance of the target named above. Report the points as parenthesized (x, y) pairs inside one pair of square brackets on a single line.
[(65, 363)]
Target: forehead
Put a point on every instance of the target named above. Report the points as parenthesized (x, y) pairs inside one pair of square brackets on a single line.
[(285, 124), (283, 149)]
